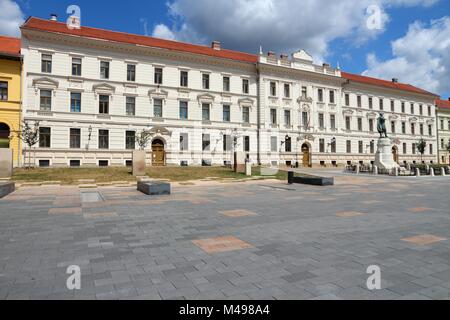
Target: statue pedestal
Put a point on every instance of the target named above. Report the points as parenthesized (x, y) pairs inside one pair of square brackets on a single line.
[(384, 158)]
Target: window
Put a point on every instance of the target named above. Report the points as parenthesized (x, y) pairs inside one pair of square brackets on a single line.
[(130, 140), (104, 69), (273, 89), (347, 99), (431, 148), (46, 63), (421, 110), (287, 117), (288, 144), (348, 123), (287, 90), (304, 92), (183, 78), (333, 121), (158, 76), (413, 148), (184, 142), (205, 81), (413, 128), (44, 137), (183, 109), (226, 84), (245, 86), (403, 107), (442, 144), (442, 124), (370, 103), (75, 138), (404, 127), (103, 139), (76, 67), (429, 111), (246, 144), (245, 114), (103, 104), (430, 130), (273, 144), (130, 107), (226, 142), (74, 163), (305, 119), (404, 148), (320, 95), (358, 101), (360, 126), (331, 96), (206, 142), (103, 163), (448, 125), (360, 147), (371, 125), (44, 163), (321, 121), (3, 91), (205, 112), (226, 113), (421, 129), (333, 146), (392, 105), (131, 72), (381, 104), (46, 100), (273, 116), (349, 146), (157, 108), (322, 145), (372, 146), (75, 102), (412, 108), (393, 126)]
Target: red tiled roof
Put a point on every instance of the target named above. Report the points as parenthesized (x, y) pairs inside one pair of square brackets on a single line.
[(59, 27), (443, 104), (384, 83), (9, 46)]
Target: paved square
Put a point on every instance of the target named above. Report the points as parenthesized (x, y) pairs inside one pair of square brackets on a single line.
[(201, 243)]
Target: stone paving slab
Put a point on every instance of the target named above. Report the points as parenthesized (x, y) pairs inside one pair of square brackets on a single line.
[(253, 240)]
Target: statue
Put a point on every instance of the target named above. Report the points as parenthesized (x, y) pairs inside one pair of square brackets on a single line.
[(381, 126)]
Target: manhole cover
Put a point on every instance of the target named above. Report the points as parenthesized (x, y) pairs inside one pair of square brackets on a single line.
[(91, 197)]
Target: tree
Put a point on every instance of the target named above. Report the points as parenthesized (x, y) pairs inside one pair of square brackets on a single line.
[(421, 146), (30, 136), (143, 138)]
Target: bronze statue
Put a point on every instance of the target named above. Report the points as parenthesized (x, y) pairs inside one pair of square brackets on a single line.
[(381, 126)]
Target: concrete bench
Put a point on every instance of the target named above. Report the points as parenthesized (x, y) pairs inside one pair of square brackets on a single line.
[(6, 188), (154, 188)]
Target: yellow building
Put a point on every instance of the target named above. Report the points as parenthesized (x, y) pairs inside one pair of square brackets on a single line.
[(10, 96)]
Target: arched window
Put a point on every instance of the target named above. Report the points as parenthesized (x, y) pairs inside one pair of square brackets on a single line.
[(4, 135)]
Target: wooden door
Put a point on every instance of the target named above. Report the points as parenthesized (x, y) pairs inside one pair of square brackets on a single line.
[(306, 156), (158, 154)]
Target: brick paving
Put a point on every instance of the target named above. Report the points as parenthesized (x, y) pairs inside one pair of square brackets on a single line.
[(259, 240)]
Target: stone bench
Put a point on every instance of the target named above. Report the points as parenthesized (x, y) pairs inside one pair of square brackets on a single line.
[(6, 188), (313, 180), (154, 188)]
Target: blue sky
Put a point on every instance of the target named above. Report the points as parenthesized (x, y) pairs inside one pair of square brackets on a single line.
[(408, 46)]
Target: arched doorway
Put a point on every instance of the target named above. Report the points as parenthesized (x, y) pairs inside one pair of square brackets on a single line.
[(4, 135), (306, 155), (158, 153), (395, 153)]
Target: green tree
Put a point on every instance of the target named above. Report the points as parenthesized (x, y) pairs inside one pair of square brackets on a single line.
[(143, 138), (421, 146), (30, 136)]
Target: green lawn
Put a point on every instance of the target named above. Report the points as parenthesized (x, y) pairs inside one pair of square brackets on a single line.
[(72, 175)]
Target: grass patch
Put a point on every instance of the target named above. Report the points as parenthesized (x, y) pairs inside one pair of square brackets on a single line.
[(102, 175)]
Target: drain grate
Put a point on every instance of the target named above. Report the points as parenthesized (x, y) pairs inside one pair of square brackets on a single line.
[(95, 196)]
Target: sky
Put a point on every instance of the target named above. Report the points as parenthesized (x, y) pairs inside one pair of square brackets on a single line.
[(404, 39)]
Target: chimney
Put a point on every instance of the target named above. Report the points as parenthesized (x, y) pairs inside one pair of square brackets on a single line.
[(271, 54), (215, 45), (284, 56), (394, 80), (53, 17)]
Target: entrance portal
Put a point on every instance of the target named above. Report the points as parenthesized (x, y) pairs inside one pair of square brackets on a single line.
[(158, 153), (4, 135), (306, 155), (395, 154)]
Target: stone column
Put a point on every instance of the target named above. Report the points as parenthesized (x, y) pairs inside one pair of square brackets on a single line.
[(6, 163)]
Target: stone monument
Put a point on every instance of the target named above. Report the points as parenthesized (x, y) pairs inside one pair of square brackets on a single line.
[(383, 157), (239, 161), (6, 163), (139, 158)]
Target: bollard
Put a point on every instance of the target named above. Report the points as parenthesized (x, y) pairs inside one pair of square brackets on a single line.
[(396, 171), (375, 170), (417, 172), (432, 172), (357, 169), (443, 172), (290, 177)]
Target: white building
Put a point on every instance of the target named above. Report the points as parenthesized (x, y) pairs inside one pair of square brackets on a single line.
[(93, 90)]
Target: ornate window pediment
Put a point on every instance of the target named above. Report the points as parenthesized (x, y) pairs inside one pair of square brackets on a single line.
[(305, 107), (103, 88), (413, 119), (45, 82), (393, 117), (160, 131), (347, 112), (245, 102), (205, 98), (158, 93), (304, 99), (371, 115)]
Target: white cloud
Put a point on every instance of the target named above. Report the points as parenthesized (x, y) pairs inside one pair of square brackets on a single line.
[(279, 25), (421, 57), (11, 17)]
